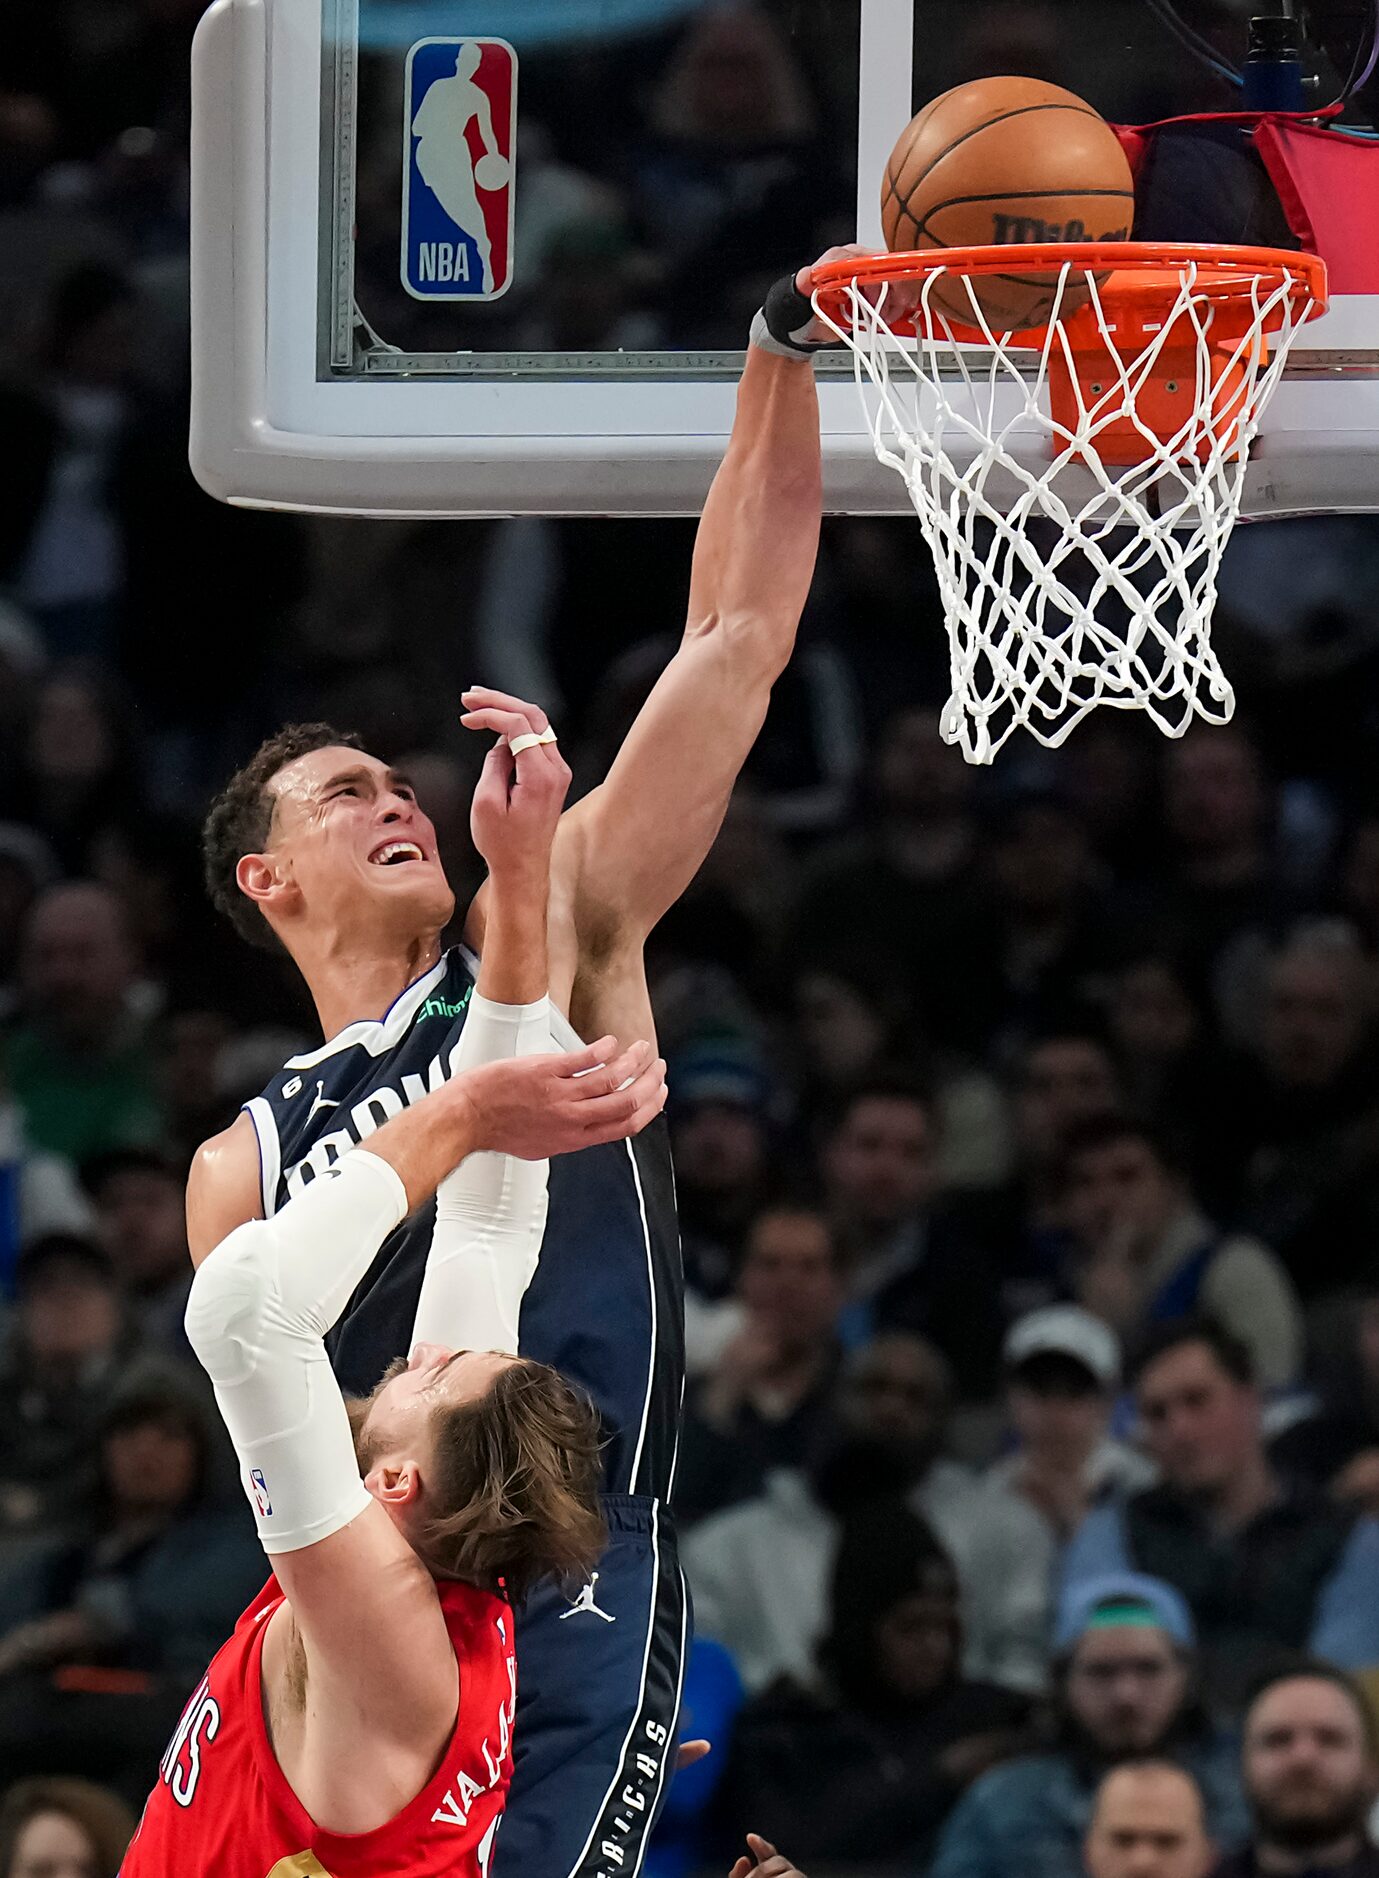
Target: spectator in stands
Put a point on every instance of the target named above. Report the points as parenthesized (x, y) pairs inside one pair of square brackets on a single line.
[(1268, 1566), (68, 1341), (1145, 1253), (732, 169), (1218, 809), (759, 1572), (1148, 1821), (1337, 1444), (156, 1577), (864, 1762), (1062, 1076), (72, 569), (193, 1051), (78, 1059), (62, 1829), (152, 863), (734, 911), (907, 1262), (157, 1573), (1311, 1765), (139, 1196), (1044, 913), (1156, 1027), (724, 1175), (27, 866), (80, 771), (853, 1020), (1126, 1680), (1111, 771), (1062, 1369), (850, 1016), (38, 1192), (1296, 1133), (761, 1405), (904, 889)]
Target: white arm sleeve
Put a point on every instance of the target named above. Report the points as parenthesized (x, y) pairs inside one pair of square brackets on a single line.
[(259, 1308), (491, 1212)]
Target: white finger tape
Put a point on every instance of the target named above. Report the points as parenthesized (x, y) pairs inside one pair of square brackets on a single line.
[(519, 744)]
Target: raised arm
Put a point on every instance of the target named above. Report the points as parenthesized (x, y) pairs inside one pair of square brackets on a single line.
[(491, 1211), (639, 839)]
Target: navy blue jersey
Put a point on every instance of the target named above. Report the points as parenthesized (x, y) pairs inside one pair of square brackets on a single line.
[(606, 1304)]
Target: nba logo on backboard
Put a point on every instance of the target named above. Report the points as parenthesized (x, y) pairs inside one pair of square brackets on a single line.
[(261, 1499), (459, 141)]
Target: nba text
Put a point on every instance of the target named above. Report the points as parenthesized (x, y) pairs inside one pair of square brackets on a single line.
[(442, 261)]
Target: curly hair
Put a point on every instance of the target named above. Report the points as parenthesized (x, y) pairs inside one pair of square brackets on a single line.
[(516, 1488), (241, 816)]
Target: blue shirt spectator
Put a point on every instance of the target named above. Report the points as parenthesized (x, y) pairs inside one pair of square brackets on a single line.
[(1125, 1690)]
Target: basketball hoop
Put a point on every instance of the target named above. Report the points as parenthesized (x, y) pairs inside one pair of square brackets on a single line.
[(1092, 579)]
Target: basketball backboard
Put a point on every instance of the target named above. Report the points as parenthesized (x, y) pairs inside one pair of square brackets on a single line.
[(461, 257)]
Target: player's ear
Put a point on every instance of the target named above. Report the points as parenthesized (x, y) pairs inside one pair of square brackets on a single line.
[(395, 1483), (258, 877)]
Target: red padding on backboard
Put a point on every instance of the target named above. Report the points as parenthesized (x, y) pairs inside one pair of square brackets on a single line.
[(1328, 183), (1135, 144)]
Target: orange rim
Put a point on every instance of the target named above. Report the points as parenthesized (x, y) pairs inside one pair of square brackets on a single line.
[(1141, 277)]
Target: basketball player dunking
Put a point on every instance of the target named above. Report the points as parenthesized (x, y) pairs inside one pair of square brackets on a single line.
[(319, 847), (359, 1721)]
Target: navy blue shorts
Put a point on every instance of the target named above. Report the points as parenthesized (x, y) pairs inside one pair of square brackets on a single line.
[(598, 1704)]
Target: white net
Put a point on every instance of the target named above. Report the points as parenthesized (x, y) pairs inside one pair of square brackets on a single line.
[(1066, 582)]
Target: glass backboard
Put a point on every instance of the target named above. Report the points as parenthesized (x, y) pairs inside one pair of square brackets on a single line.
[(493, 256)]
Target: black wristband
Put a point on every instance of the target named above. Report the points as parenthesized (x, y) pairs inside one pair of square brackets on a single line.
[(785, 315)]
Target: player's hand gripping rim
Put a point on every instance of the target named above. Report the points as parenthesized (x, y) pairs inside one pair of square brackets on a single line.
[(787, 324)]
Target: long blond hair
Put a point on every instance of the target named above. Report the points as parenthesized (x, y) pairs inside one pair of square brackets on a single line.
[(512, 1494)]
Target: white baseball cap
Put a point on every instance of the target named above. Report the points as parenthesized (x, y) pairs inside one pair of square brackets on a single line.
[(1066, 1330)]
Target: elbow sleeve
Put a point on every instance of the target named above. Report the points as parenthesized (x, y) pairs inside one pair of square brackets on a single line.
[(259, 1308)]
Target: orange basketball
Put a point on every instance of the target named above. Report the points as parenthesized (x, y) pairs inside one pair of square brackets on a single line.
[(1006, 160)]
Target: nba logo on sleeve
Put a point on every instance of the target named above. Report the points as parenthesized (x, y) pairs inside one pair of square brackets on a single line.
[(459, 137), (261, 1499)]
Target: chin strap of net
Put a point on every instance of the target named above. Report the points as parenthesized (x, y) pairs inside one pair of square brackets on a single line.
[(1079, 582)]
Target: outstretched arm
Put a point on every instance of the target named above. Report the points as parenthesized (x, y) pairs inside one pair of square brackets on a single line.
[(633, 845)]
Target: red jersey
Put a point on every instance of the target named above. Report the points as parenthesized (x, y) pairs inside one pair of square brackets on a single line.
[(222, 1804)]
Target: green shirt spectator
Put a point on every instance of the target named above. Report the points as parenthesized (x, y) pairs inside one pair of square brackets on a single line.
[(77, 1059)]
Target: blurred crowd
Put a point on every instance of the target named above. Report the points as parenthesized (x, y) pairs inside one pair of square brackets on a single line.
[(1026, 1123)]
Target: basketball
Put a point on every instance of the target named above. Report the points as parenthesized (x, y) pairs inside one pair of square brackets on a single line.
[(491, 172), (999, 161)]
